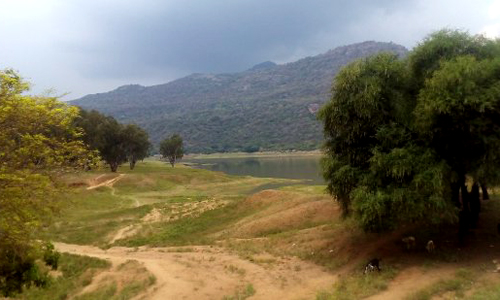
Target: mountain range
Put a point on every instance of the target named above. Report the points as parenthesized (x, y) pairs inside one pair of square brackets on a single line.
[(267, 107)]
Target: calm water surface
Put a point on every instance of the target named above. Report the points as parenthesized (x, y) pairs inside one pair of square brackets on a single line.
[(306, 167)]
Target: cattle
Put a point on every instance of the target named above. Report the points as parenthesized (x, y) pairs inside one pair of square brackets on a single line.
[(497, 266), (409, 242), (430, 246), (372, 265)]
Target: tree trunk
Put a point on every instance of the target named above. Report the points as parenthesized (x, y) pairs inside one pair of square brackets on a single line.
[(475, 205), (172, 161), (464, 215), (463, 226), (132, 164), (344, 203), (113, 166), (455, 194), (484, 190)]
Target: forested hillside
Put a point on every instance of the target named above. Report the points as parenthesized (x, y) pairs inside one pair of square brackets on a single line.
[(268, 107)]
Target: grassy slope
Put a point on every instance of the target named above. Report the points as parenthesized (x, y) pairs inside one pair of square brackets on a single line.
[(75, 279), (296, 220), (76, 273), (92, 216)]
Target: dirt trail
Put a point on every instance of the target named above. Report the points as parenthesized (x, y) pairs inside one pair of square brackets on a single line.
[(109, 183), (127, 230), (124, 232), (179, 210), (411, 280), (212, 273)]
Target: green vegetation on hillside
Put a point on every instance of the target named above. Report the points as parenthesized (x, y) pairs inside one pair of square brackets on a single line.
[(94, 216), (76, 272), (198, 220), (77, 279), (271, 108)]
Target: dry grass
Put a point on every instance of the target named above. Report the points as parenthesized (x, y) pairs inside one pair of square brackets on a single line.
[(182, 207), (123, 282)]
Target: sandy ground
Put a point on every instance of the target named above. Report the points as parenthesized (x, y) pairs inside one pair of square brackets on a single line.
[(212, 273), (205, 272)]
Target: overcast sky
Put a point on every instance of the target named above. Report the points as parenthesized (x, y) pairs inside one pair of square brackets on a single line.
[(81, 47)]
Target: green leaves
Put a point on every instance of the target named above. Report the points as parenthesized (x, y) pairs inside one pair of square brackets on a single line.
[(411, 127), (116, 143), (445, 45), (38, 143), (460, 87), (137, 143), (364, 98), (172, 149)]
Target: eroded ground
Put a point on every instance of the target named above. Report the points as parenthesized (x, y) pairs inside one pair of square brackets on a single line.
[(196, 234)]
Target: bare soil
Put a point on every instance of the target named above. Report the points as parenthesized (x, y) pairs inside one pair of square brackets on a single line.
[(212, 273)]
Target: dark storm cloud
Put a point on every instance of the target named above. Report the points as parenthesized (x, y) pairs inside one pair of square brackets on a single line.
[(83, 46), (214, 36)]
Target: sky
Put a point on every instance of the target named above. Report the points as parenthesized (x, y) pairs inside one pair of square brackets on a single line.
[(75, 47)]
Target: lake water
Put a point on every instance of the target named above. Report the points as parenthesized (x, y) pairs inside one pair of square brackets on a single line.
[(292, 167)]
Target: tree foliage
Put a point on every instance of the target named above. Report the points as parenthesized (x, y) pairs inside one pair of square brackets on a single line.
[(137, 144), (402, 135), (171, 148), (38, 143), (116, 143)]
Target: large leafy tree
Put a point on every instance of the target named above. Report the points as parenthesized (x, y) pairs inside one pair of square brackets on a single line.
[(171, 148), (366, 97), (116, 143), (461, 122), (402, 135), (38, 144)]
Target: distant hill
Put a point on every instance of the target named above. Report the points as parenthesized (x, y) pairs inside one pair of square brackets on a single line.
[(268, 107)]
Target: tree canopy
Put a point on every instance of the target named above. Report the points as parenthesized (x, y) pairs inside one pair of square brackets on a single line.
[(403, 134), (137, 143), (116, 143), (171, 148), (38, 143)]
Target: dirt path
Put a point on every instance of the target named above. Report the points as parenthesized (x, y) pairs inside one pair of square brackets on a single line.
[(109, 183), (127, 230), (124, 232), (411, 280), (212, 273)]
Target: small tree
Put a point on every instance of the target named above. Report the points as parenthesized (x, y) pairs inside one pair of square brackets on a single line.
[(113, 143), (136, 143), (171, 148)]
